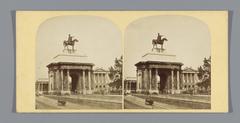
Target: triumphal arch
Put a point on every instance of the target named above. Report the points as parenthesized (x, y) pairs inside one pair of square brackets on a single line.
[(158, 71), (70, 72)]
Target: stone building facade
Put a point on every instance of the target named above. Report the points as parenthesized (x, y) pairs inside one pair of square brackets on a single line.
[(101, 79), (130, 84), (42, 86), (74, 74), (161, 72), (189, 78)]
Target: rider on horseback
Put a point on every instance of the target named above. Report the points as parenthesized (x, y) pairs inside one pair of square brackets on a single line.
[(69, 38)]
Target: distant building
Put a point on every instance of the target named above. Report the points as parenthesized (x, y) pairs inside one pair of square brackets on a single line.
[(130, 84), (42, 85), (101, 79), (189, 78)]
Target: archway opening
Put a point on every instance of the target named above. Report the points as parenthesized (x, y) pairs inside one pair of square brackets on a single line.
[(74, 82), (163, 82)]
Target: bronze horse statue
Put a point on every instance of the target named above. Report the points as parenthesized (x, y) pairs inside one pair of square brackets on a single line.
[(70, 42), (159, 40)]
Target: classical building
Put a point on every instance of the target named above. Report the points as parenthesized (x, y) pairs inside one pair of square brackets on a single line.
[(189, 78), (160, 71), (42, 86), (101, 79), (70, 73), (130, 84)]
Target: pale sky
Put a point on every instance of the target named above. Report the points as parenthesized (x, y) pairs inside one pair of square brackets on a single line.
[(99, 39), (188, 38)]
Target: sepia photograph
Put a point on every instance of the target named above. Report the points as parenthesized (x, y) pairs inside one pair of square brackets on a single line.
[(78, 65), (121, 61), (167, 63)]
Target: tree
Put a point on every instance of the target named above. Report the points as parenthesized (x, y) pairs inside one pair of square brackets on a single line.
[(116, 73), (205, 74)]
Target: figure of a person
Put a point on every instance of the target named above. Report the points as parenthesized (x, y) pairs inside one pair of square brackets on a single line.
[(70, 38)]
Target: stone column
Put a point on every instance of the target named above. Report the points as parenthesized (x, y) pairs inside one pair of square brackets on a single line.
[(142, 80), (178, 82), (150, 79), (89, 82), (94, 78), (54, 81), (145, 76), (40, 88), (79, 84), (193, 78), (156, 79), (57, 80), (50, 81), (196, 78), (62, 82), (172, 80), (137, 83), (187, 78), (190, 76), (100, 79), (68, 81), (130, 86), (183, 78), (105, 77), (126, 85), (84, 82)]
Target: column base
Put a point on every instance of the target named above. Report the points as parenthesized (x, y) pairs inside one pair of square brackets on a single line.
[(84, 92), (50, 92), (65, 92), (153, 91), (128, 91), (139, 91), (89, 92), (175, 91)]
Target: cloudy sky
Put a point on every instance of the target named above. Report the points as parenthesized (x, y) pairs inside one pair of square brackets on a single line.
[(188, 38), (99, 39)]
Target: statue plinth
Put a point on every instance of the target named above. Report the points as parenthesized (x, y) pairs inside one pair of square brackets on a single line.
[(159, 54), (160, 50), (69, 51)]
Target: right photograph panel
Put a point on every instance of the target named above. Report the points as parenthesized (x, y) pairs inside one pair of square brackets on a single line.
[(167, 63)]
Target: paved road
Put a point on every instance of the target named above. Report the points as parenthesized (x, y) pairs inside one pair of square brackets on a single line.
[(43, 102), (133, 102)]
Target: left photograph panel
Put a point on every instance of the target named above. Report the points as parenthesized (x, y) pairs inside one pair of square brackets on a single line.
[(78, 64)]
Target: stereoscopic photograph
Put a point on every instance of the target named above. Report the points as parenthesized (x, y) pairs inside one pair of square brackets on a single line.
[(122, 61), (78, 65), (167, 63)]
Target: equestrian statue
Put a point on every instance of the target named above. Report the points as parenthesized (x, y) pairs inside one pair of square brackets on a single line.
[(70, 42), (160, 40)]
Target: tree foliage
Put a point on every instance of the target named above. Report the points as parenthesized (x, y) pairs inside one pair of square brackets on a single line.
[(205, 73), (116, 73)]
